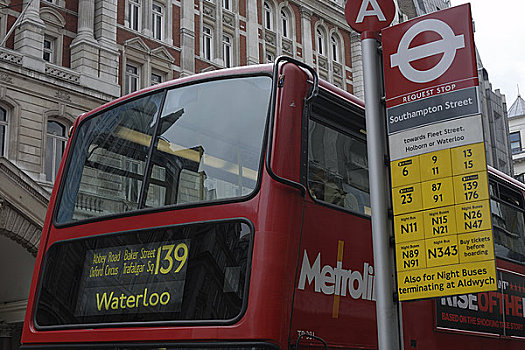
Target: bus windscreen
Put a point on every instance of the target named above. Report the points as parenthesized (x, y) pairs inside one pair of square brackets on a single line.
[(185, 145)]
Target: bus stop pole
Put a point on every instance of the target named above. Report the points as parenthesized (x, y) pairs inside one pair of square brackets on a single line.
[(388, 331)]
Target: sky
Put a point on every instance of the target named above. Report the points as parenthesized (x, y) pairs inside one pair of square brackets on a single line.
[(500, 38)]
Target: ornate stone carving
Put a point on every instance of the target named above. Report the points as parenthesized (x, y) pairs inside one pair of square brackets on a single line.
[(323, 62), (11, 57), (208, 10), (63, 74), (19, 228), (6, 78), (228, 19), (287, 46), (338, 69), (269, 37), (62, 96)]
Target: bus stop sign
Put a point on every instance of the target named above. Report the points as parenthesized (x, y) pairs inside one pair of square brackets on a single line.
[(429, 55), (369, 15)]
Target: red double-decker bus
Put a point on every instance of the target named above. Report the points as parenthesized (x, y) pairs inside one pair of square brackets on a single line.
[(231, 210)]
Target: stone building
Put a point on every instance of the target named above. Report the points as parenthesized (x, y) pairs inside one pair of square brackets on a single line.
[(516, 115), (495, 123)]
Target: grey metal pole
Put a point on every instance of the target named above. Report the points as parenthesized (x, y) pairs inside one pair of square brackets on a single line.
[(388, 333)]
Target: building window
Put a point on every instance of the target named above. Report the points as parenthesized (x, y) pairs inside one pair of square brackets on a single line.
[(285, 23), (268, 16), (55, 144), (158, 21), (207, 42), (270, 58), (156, 78), (227, 4), (132, 78), (134, 14), (515, 142), (49, 49), (335, 48), (227, 50), (3, 132), (320, 41)]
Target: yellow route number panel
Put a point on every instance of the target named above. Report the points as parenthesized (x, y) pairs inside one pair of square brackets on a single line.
[(474, 216), (435, 165), (471, 187), (439, 222), (468, 159), (407, 199), (410, 256), (409, 227), (405, 171), (442, 251), (437, 193)]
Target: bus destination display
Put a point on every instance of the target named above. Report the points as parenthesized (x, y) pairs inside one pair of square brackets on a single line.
[(140, 278)]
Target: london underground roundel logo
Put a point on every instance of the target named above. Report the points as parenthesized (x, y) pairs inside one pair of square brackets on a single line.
[(446, 46)]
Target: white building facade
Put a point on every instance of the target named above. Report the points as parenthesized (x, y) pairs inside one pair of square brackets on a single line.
[(516, 114)]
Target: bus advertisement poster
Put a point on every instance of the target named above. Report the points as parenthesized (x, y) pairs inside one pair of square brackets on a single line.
[(498, 312)]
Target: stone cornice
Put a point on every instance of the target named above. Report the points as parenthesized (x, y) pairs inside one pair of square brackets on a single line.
[(23, 180)]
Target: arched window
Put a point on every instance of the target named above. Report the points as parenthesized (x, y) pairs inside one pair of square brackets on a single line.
[(321, 41), (55, 144), (268, 16), (227, 50), (207, 42), (336, 48), (3, 132), (285, 24)]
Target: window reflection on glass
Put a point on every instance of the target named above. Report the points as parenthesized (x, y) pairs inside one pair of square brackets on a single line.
[(208, 147), (227, 50), (157, 20), (49, 50), (268, 16), (515, 142), (207, 42), (134, 14), (107, 165), (210, 141), (338, 168), (55, 146), (508, 222), (320, 41), (3, 131), (335, 48), (156, 78), (132, 78), (285, 23)]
